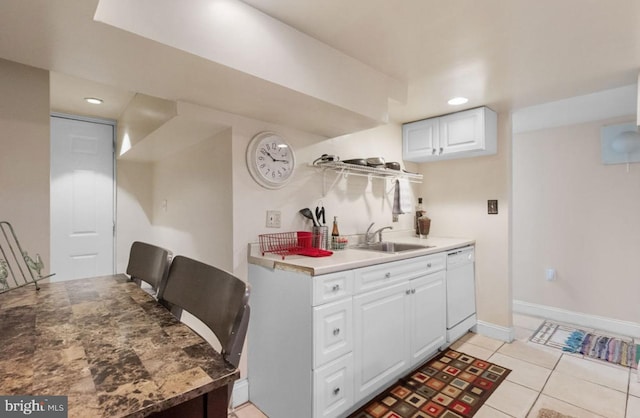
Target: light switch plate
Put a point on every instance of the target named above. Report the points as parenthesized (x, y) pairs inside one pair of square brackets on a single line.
[(273, 219), (492, 207)]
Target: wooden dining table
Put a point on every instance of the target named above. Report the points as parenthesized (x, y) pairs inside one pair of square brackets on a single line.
[(111, 348)]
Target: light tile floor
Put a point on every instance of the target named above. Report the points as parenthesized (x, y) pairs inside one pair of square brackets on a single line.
[(543, 377)]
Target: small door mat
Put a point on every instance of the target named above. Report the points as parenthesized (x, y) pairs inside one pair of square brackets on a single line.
[(567, 338), (451, 385)]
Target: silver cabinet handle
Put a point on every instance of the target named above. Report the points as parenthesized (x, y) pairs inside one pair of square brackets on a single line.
[(408, 291), (433, 151), (336, 331), (441, 149), (335, 287), (387, 275), (428, 265), (336, 391), (413, 291)]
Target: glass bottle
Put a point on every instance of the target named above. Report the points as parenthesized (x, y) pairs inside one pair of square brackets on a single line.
[(334, 231), (419, 214)]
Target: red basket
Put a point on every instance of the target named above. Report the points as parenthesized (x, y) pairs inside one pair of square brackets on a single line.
[(288, 243)]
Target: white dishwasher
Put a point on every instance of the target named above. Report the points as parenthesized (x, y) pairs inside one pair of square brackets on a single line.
[(461, 292)]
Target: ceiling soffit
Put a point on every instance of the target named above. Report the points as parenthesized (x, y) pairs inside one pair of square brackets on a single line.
[(239, 37)]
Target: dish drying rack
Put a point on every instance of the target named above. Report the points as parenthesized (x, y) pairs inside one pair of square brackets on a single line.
[(291, 243), (343, 170), (17, 268)]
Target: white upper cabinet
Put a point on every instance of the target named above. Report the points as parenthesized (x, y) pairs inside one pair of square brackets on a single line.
[(420, 138), (469, 133)]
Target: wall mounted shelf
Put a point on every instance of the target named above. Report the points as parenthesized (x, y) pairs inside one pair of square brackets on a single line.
[(344, 170)]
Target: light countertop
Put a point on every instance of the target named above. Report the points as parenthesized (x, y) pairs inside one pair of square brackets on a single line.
[(351, 258)]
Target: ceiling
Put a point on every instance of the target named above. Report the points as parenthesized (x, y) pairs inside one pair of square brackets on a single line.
[(504, 54)]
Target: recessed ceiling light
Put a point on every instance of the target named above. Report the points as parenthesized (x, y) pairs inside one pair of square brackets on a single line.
[(458, 101), (93, 100)]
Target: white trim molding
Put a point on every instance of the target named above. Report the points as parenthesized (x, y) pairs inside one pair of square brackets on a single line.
[(497, 332), (240, 392), (612, 325)]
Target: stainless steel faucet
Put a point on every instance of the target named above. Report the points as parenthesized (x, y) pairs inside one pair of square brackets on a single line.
[(369, 237)]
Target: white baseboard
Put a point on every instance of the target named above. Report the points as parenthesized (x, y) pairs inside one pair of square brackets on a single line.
[(615, 326), (240, 392), (494, 331)]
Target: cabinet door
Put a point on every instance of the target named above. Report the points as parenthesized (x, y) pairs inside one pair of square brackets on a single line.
[(462, 131), (333, 388), (381, 341), (419, 139), (427, 315), (332, 335)]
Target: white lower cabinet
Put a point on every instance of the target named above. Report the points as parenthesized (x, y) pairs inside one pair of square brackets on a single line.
[(333, 387), (428, 316), (332, 331), (395, 328), (382, 337), (322, 345)]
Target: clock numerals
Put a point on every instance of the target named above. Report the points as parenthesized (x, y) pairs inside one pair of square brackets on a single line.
[(270, 159)]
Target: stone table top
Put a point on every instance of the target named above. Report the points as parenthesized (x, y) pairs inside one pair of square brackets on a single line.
[(107, 345)]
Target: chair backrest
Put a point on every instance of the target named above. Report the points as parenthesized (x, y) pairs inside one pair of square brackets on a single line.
[(149, 263), (214, 296)]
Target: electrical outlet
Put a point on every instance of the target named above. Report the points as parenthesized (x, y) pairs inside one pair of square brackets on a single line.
[(273, 219), (550, 274)]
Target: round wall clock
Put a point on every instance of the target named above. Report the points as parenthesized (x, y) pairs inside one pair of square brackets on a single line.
[(270, 160)]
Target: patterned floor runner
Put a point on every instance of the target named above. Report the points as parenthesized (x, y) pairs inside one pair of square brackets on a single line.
[(567, 338), (452, 385)]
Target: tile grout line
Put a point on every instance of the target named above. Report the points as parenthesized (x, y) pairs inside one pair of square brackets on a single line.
[(504, 380), (545, 384)]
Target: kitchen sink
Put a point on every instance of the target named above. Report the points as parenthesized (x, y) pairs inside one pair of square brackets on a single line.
[(391, 247)]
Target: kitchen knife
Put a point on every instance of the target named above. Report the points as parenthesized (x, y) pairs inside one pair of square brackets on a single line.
[(320, 214)]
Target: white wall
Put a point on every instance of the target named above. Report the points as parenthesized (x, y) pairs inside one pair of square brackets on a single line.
[(24, 155), (197, 188), (134, 197), (356, 201), (455, 195), (574, 214), (197, 219)]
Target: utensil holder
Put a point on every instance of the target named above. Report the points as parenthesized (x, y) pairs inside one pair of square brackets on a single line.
[(321, 237), (424, 225)]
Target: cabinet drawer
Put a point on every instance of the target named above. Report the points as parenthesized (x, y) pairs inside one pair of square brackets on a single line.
[(436, 262), (373, 277), (330, 287), (333, 388), (332, 331)]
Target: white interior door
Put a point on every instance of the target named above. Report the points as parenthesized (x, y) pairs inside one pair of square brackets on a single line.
[(82, 198)]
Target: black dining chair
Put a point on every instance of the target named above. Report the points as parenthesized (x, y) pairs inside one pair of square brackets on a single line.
[(217, 298), (150, 264)]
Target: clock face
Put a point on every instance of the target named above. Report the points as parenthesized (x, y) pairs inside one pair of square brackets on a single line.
[(270, 160)]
